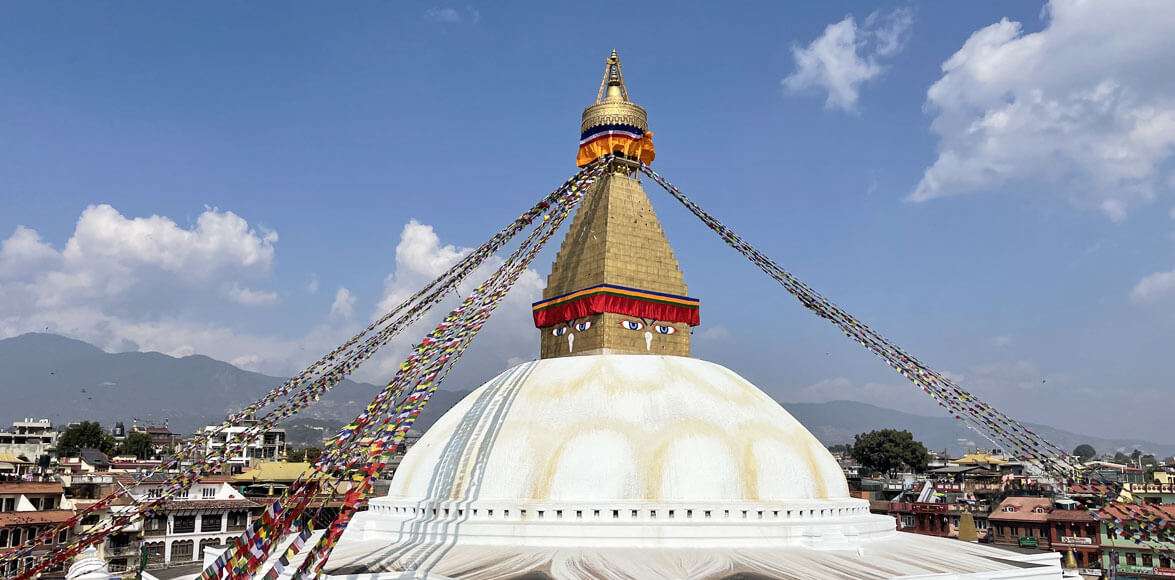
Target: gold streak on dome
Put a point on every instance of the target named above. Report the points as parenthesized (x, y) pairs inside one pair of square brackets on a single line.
[(612, 106)]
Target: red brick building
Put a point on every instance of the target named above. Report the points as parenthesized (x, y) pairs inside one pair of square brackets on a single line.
[(1022, 521), (1076, 530)]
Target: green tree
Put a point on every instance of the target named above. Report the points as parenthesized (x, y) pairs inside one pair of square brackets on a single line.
[(312, 454), (137, 444), (296, 455), (84, 435), (1085, 452), (888, 450)]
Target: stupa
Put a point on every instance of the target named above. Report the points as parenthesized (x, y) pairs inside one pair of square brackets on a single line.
[(618, 455)]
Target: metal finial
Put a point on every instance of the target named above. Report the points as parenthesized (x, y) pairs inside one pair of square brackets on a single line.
[(613, 77)]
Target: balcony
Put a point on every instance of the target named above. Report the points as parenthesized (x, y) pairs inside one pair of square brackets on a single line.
[(128, 550)]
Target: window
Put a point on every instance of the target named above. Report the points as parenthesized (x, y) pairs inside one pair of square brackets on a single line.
[(209, 543), (155, 492), (210, 523), (3, 538), (62, 536), (1130, 559), (155, 526), (237, 520), (181, 551), (208, 493), (154, 551), (181, 494), (8, 504), (1146, 560), (183, 524)]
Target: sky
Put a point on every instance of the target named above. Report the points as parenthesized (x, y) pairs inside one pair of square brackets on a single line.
[(988, 184)]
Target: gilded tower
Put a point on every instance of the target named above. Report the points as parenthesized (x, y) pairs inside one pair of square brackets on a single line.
[(615, 286)]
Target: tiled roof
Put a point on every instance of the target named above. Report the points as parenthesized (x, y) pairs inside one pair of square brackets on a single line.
[(208, 504), (36, 517), (31, 487), (1078, 515), (1131, 511), (1025, 509)]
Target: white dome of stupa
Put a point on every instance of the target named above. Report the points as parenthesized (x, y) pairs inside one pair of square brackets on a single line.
[(620, 428), (635, 466)]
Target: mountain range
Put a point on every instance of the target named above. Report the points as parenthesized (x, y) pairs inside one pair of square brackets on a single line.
[(46, 375)]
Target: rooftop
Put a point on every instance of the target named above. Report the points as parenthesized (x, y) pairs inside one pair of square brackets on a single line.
[(37, 517), (30, 487), (1024, 509), (274, 471)]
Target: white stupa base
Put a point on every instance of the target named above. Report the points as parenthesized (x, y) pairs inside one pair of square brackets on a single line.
[(817, 524), (892, 555)]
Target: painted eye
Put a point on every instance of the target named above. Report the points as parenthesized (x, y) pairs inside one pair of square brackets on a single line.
[(663, 329), (559, 331), (632, 324), (582, 326)]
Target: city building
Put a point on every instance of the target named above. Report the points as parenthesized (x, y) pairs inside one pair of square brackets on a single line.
[(1075, 529), (161, 435), (1022, 522), (29, 438), (267, 446), (210, 513), (1126, 559), (26, 510), (1115, 472)]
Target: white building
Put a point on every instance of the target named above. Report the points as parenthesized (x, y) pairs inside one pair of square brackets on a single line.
[(30, 438), (267, 446), (210, 513)]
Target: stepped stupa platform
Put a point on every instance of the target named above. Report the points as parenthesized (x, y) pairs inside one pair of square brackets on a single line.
[(617, 455)]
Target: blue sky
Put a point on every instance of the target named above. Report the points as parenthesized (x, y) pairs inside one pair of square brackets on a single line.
[(987, 183)]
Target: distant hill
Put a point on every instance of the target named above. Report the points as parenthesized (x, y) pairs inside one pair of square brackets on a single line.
[(837, 422), (45, 375)]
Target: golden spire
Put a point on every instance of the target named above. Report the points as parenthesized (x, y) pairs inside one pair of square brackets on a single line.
[(615, 286), (612, 85), (612, 106)]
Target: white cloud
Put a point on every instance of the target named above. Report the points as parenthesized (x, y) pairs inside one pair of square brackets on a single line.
[(510, 335), (248, 297), (312, 284), (140, 283), (844, 57), (24, 254), (449, 15), (1085, 107), (1153, 287), (344, 304)]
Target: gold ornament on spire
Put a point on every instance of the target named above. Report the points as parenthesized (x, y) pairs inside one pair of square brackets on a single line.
[(612, 106)]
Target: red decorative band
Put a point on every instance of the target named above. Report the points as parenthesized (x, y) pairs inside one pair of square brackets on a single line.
[(617, 300)]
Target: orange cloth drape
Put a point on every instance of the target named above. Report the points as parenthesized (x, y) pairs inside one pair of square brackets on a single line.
[(624, 145)]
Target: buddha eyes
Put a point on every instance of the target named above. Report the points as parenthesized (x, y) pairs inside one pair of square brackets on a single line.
[(632, 324), (582, 326), (559, 331), (663, 329)]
